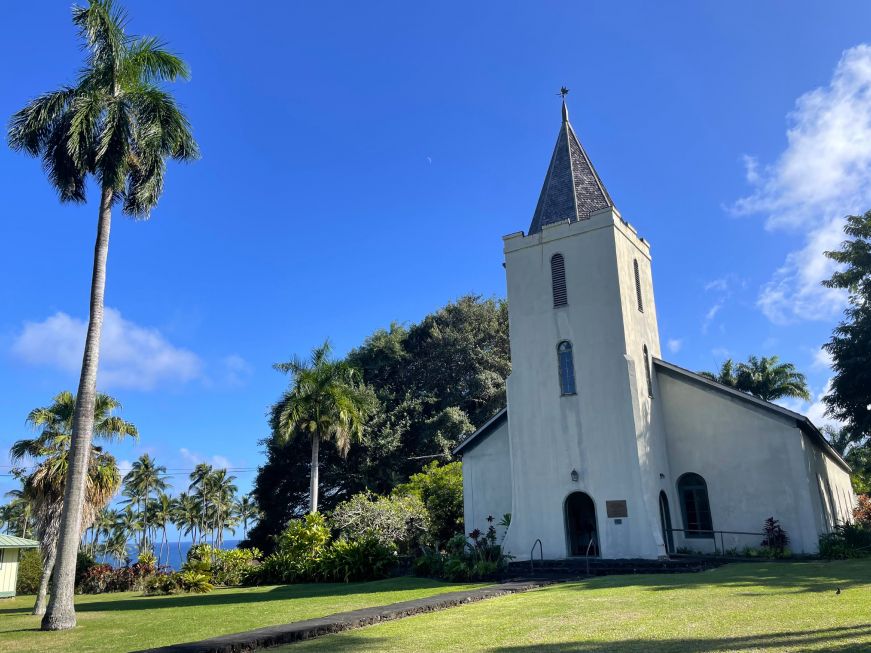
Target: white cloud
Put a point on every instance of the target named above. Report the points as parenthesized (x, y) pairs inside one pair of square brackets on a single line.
[(131, 356), (820, 177), (674, 344), (194, 458), (814, 410), (236, 370), (822, 359), (711, 314)]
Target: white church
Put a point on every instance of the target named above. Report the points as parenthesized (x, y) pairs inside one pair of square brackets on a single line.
[(605, 449)]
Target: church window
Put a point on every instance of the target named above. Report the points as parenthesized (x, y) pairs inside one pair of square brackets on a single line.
[(558, 280), (693, 493), (566, 368), (638, 285), (647, 372)]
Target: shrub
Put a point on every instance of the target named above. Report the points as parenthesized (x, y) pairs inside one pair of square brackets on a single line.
[(304, 538), (846, 541), (477, 557), (103, 578), (194, 581), (298, 549), (440, 487), (862, 511), (774, 537), (431, 564), (364, 558), (29, 571), (162, 584), (84, 561), (399, 520), (222, 566)]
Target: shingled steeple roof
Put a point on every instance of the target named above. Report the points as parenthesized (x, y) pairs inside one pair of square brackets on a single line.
[(572, 189)]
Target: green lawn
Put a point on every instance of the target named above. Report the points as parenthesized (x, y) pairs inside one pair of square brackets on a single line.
[(129, 621), (767, 608)]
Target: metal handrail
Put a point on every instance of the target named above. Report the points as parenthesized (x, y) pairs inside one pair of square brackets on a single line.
[(713, 534), (532, 553), (587, 556)]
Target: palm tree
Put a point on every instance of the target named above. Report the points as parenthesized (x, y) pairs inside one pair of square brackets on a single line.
[(222, 495), (185, 517), (145, 476), (52, 447), (116, 546), (764, 377), (246, 510), (129, 523), (118, 125), (198, 481), (325, 401), (161, 514)]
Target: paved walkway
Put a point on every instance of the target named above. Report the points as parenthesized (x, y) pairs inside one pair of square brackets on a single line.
[(253, 640)]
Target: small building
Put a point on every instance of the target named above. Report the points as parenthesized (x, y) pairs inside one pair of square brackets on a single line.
[(10, 551), (604, 448)]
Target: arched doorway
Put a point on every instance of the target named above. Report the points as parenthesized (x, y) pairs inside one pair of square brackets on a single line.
[(581, 525), (665, 520)]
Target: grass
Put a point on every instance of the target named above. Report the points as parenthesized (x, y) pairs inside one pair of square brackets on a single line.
[(128, 621), (759, 607)]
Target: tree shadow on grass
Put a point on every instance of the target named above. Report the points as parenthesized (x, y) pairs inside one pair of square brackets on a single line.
[(776, 577), (248, 595), (846, 639)]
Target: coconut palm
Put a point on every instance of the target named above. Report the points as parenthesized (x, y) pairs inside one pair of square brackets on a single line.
[(145, 476), (185, 517), (52, 448), (118, 125), (116, 546), (198, 479), (325, 401), (222, 496), (246, 510), (161, 513), (764, 377)]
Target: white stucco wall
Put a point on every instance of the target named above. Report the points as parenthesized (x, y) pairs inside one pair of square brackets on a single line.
[(8, 572), (487, 480), (756, 463), (595, 432)]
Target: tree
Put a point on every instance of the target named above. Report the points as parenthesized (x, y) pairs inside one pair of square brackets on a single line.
[(118, 125), (849, 399), (145, 476), (440, 488), (52, 448), (198, 479), (325, 401), (764, 377), (435, 382), (245, 510)]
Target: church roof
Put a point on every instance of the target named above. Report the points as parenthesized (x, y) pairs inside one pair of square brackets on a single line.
[(486, 429), (572, 189)]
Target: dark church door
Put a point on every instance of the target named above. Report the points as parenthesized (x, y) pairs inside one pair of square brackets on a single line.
[(581, 525), (665, 519)]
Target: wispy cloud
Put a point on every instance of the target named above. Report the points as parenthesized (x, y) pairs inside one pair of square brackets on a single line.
[(674, 345), (131, 356), (195, 458), (819, 178)]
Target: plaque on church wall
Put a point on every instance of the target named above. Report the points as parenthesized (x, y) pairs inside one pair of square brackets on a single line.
[(616, 509)]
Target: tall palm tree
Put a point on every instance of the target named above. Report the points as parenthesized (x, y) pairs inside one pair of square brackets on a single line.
[(185, 517), (222, 495), (145, 476), (52, 449), (118, 125), (246, 510), (198, 479), (129, 523), (326, 401), (764, 377), (161, 514)]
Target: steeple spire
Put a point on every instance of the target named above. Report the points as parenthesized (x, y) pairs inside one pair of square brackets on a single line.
[(572, 189)]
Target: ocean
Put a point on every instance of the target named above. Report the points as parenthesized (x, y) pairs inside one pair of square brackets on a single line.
[(178, 552)]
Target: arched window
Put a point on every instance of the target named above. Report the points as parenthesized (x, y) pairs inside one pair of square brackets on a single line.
[(566, 368), (638, 285), (558, 280), (647, 372), (693, 493)]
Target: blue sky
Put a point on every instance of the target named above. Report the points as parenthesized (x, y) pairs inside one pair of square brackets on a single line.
[(361, 162)]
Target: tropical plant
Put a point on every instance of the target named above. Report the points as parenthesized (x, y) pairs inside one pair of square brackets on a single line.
[(764, 377), (326, 401), (774, 537), (246, 511), (51, 449), (198, 478), (862, 511), (118, 125), (400, 521), (440, 488), (846, 541), (145, 476), (350, 560)]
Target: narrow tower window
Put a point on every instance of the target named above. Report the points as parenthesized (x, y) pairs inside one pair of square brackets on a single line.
[(558, 280), (647, 372), (566, 368), (638, 285)]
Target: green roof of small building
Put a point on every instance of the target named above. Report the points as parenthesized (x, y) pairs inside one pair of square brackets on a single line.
[(12, 542)]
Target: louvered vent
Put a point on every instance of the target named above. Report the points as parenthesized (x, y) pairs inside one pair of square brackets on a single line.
[(638, 286), (558, 280)]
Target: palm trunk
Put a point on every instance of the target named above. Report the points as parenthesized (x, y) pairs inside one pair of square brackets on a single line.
[(47, 568), (61, 613), (313, 490)]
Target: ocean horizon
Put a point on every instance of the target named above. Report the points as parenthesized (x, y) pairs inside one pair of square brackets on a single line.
[(173, 558)]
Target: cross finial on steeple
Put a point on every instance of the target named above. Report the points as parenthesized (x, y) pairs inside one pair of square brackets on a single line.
[(562, 93)]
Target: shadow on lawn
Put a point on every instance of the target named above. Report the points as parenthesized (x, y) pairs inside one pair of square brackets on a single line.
[(112, 602), (847, 639), (777, 578)]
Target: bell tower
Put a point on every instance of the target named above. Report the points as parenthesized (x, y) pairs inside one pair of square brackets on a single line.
[(586, 442)]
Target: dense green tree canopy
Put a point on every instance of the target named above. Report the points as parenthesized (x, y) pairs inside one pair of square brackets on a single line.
[(435, 381), (850, 346)]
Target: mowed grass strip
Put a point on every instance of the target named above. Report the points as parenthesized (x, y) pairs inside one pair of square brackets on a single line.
[(763, 608), (128, 621)]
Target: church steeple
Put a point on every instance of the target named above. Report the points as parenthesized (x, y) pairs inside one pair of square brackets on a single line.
[(572, 189)]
